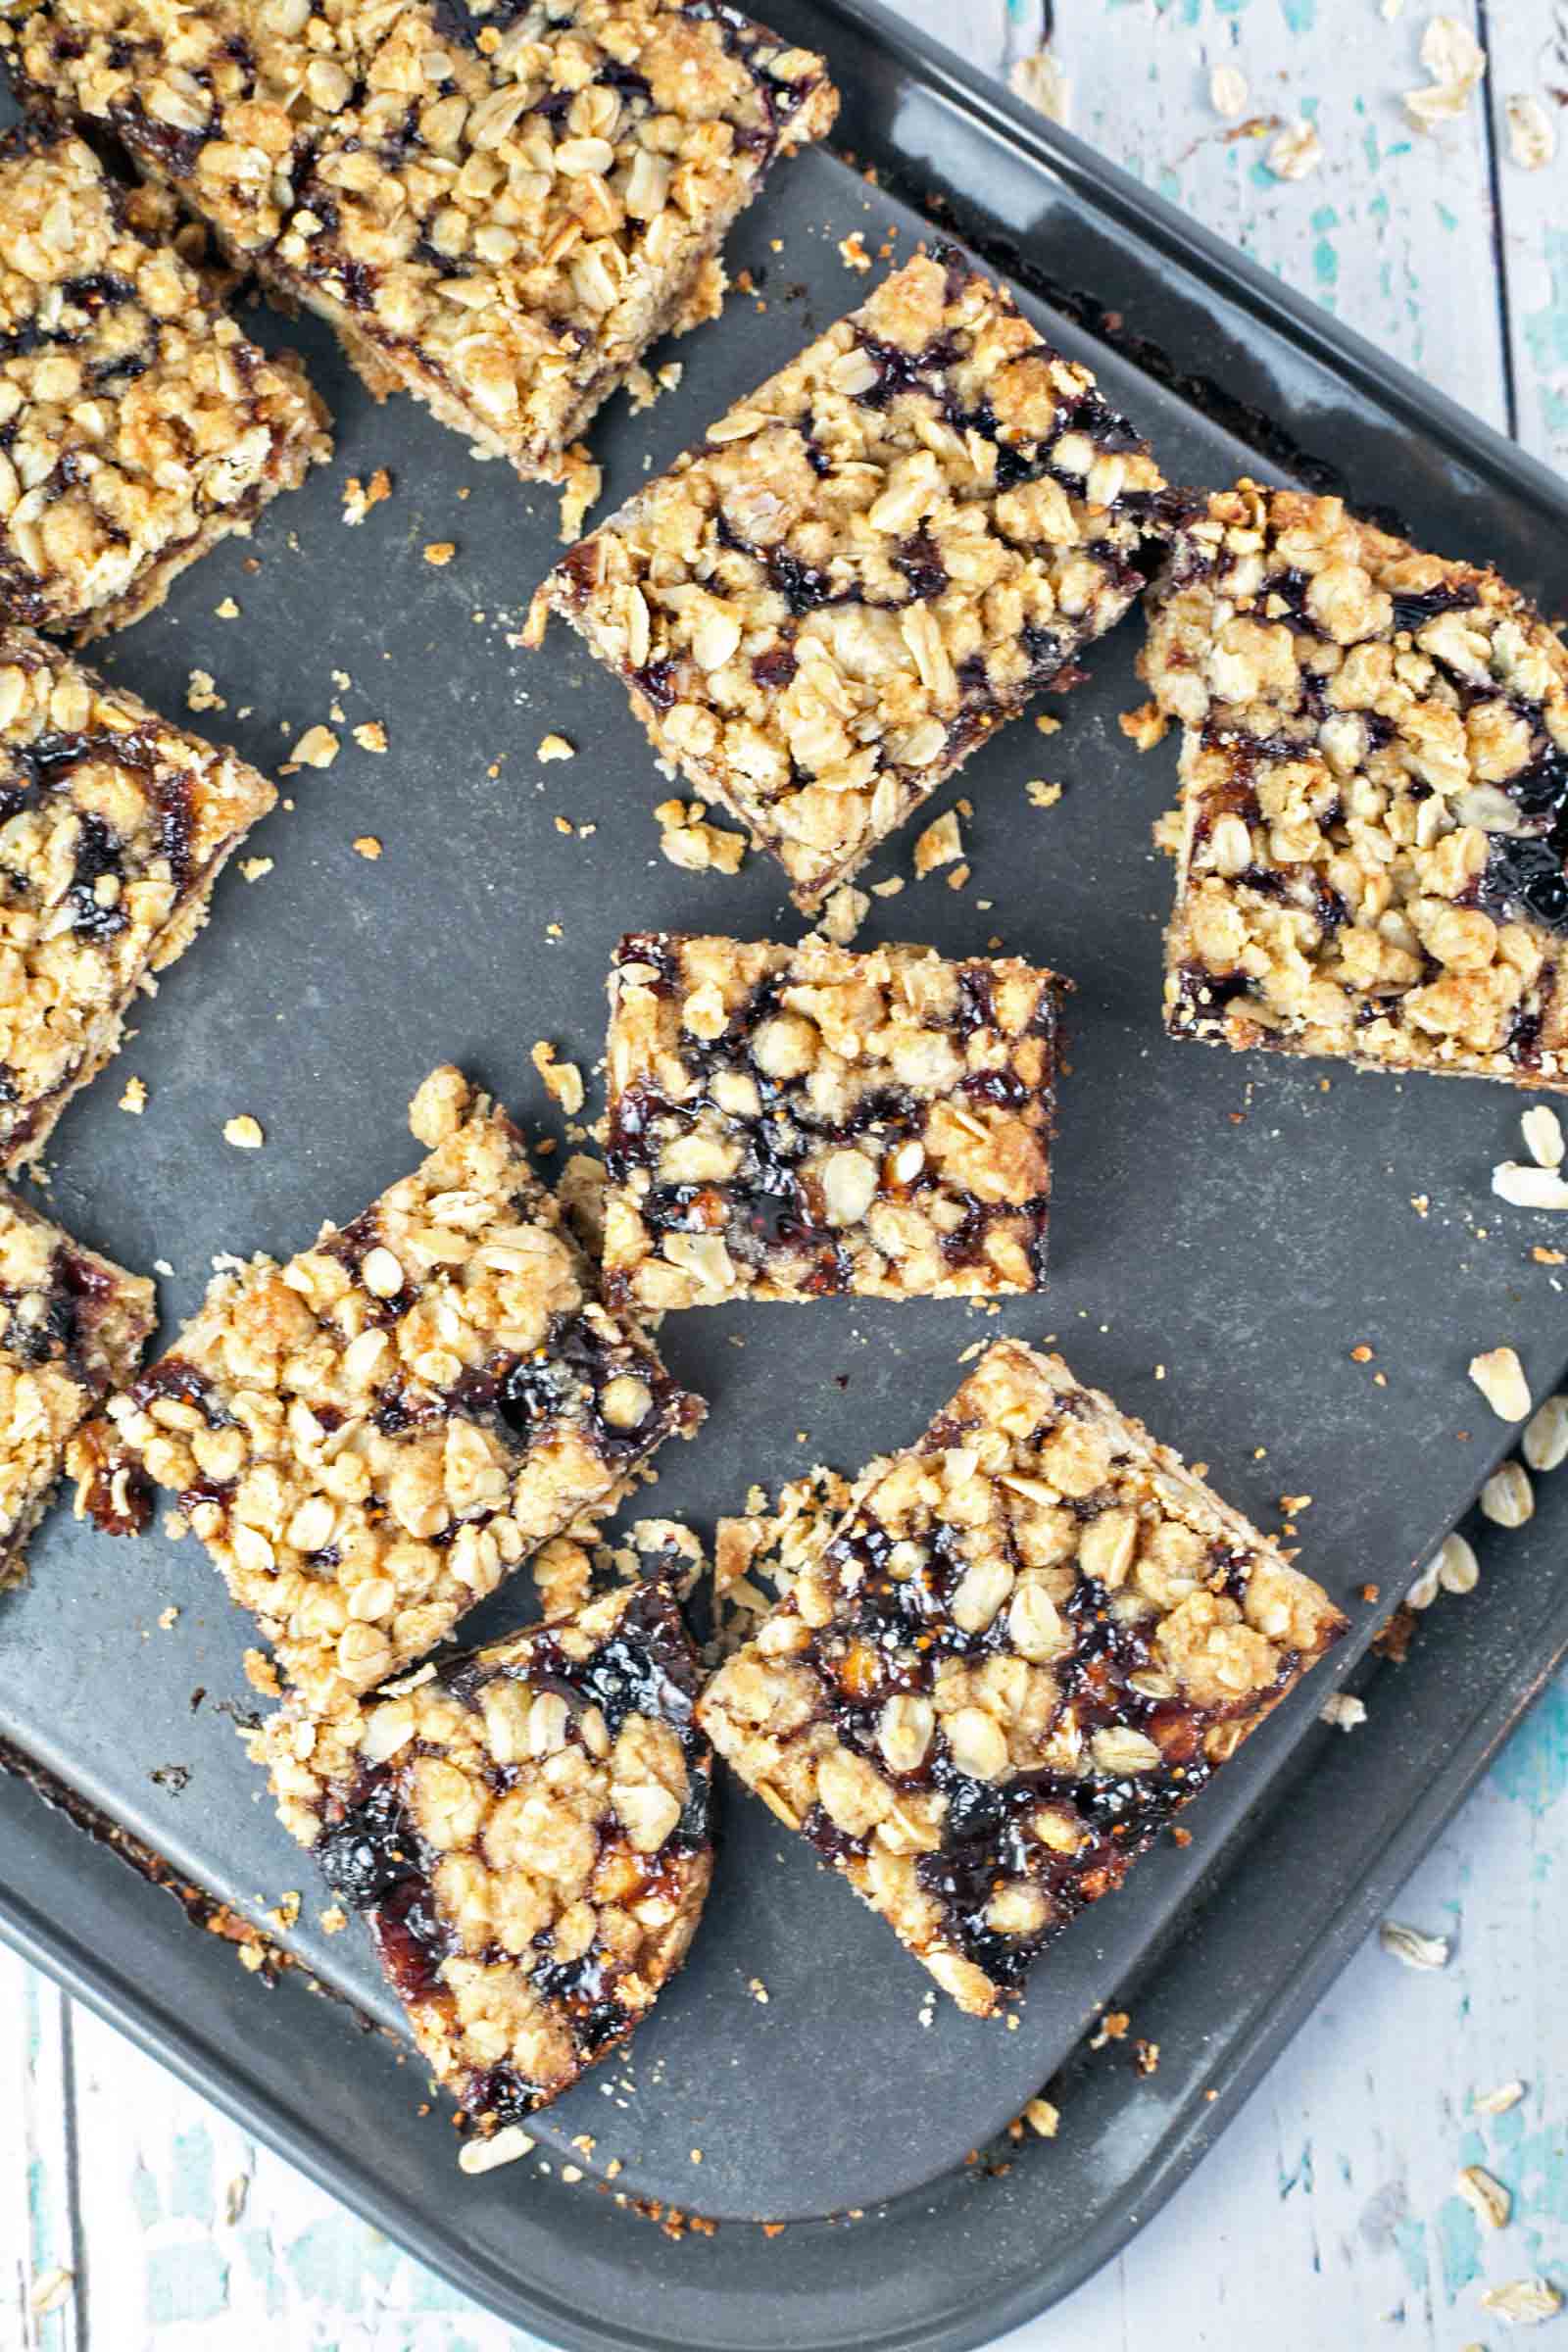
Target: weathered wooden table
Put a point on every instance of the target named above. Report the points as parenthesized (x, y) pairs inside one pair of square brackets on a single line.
[(1327, 2218)]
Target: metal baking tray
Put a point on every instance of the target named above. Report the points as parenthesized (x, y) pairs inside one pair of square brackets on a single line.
[(1225, 1231)]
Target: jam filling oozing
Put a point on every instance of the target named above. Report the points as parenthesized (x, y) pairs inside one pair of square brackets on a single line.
[(34, 770), (172, 1376), (54, 1325), (644, 1667)]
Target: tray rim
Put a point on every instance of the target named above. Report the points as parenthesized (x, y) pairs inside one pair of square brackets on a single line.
[(1160, 229), (167, 2034)]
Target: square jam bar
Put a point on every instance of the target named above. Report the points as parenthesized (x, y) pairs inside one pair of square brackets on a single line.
[(498, 209), (114, 826), (74, 1326), (369, 1438), (790, 1122), (526, 1829), (137, 424), (1374, 796), (1030, 1640), (874, 561)]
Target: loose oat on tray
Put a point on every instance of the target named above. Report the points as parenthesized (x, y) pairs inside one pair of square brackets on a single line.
[(368, 1439), (114, 826), (874, 561), (73, 1324), (138, 424), (791, 1122), (498, 209), (1030, 1642), (526, 1829), (1374, 796)]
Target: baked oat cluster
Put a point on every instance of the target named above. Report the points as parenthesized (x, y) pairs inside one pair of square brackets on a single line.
[(1031, 1640), (497, 208), (791, 1122), (368, 1439), (114, 826), (873, 562), (137, 424), (73, 1324), (573, 1569), (526, 1829), (1374, 796), (758, 1552)]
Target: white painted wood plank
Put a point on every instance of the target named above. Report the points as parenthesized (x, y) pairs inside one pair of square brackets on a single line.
[(1529, 47), (40, 2258), (202, 2242)]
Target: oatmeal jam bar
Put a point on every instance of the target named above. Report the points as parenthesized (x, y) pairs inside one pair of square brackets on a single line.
[(1374, 796), (498, 208), (875, 560), (1030, 1642), (137, 424), (525, 1828), (368, 1439), (74, 1326), (787, 1122), (114, 826)]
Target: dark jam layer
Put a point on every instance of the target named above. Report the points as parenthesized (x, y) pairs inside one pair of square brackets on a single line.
[(771, 1206), (56, 1325), (374, 1858), (891, 1637)]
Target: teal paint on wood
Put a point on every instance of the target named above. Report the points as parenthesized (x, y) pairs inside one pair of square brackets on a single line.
[(1458, 2236), (1532, 1769), (186, 2282)]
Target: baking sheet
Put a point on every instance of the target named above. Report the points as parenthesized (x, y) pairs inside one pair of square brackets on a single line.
[(1224, 1232)]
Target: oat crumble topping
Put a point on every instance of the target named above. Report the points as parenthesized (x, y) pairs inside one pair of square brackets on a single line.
[(525, 1830), (1029, 1642), (73, 1324), (138, 424), (497, 209), (369, 1438), (1374, 794), (114, 826), (792, 1122), (872, 562)]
